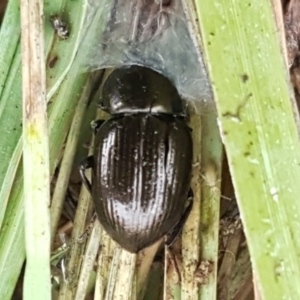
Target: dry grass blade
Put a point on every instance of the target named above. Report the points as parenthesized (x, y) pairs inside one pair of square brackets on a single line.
[(78, 241), (35, 153), (104, 261), (228, 261), (144, 262), (88, 261), (191, 231), (124, 285), (65, 94), (68, 158)]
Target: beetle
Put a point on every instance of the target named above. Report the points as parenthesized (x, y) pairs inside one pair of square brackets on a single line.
[(141, 167)]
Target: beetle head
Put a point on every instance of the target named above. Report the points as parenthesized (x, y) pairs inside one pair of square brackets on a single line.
[(137, 89)]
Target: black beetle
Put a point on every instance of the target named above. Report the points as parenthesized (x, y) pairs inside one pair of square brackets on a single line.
[(141, 168)]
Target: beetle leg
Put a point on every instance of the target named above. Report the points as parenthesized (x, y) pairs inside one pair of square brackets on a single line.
[(176, 230), (96, 124), (87, 163)]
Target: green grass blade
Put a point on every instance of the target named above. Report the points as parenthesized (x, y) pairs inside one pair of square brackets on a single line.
[(211, 166), (36, 182), (11, 127), (9, 37), (65, 93), (252, 95), (191, 232), (193, 275)]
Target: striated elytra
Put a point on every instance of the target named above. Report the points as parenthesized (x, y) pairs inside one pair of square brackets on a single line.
[(141, 168)]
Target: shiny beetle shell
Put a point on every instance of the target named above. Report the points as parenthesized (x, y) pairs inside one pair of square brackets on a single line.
[(141, 177), (142, 165)]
